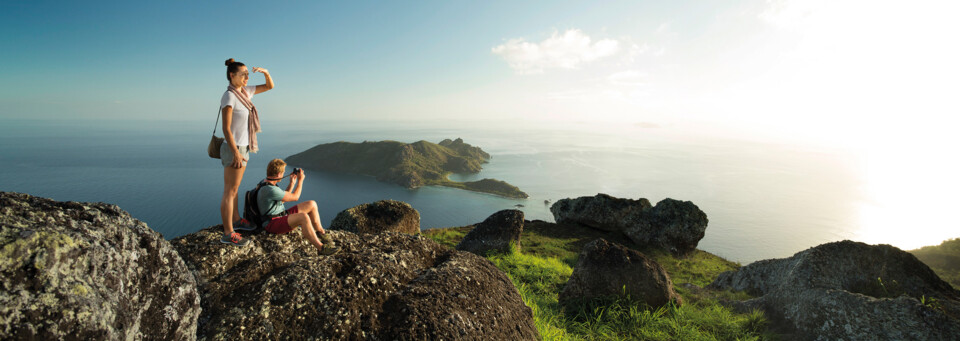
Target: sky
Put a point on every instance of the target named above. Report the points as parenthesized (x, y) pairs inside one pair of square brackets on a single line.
[(875, 77), (809, 69)]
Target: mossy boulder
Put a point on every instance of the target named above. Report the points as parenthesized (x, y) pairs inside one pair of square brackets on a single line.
[(499, 232), (673, 225), (377, 217), (89, 271), (610, 270), (852, 291)]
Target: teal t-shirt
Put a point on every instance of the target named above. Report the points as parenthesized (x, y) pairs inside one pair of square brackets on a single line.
[(270, 201)]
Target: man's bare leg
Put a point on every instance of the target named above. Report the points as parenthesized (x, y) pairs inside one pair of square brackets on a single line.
[(310, 208), (303, 220)]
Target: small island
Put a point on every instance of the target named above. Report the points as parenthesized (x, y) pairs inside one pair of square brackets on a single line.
[(411, 165)]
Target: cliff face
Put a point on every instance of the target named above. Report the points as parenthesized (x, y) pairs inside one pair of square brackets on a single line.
[(89, 271), (465, 149)]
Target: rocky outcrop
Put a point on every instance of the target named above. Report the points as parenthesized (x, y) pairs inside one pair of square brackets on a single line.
[(498, 232), (673, 225), (465, 149), (89, 271), (602, 212), (382, 286), (380, 216), (853, 291), (606, 269)]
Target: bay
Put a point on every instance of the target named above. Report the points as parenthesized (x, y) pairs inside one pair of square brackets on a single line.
[(763, 200)]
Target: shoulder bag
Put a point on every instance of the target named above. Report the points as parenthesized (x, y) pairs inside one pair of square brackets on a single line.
[(215, 142)]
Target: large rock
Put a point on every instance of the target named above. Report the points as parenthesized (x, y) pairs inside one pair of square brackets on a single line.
[(851, 291), (380, 216), (497, 232), (607, 269), (382, 287), (602, 212), (672, 225), (89, 271)]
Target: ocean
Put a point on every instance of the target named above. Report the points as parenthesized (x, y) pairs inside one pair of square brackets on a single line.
[(763, 200)]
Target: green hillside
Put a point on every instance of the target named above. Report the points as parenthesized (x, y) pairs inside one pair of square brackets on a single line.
[(546, 260), (411, 165), (944, 259)]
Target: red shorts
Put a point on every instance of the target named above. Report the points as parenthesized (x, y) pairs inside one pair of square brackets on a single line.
[(281, 225)]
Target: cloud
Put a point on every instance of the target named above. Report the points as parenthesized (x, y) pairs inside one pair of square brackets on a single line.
[(587, 95), (560, 51), (628, 78), (792, 15)]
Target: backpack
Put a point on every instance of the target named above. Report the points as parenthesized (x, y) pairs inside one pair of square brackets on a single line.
[(251, 209)]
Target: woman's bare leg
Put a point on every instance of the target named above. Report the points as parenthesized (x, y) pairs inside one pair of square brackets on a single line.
[(236, 204), (228, 203)]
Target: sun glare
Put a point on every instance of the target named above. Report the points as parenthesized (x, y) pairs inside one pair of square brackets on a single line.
[(910, 198)]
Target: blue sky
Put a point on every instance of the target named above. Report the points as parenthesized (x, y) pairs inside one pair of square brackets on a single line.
[(123, 59), (812, 70)]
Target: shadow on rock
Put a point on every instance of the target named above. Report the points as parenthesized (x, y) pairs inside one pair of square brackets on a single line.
[(382, 286)]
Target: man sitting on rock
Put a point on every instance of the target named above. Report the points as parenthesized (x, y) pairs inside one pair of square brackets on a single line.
[(270, 200)]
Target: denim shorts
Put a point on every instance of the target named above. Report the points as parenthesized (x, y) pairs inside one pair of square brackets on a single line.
[(226, 155)]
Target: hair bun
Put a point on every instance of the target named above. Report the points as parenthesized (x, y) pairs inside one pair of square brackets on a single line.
[(229, 61)]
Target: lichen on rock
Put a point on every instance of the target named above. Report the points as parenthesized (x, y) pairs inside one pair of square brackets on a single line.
[(377, 217), (499, 232), (379, 286), (89, 271), (850, 290), (606, 270), (673, 225)]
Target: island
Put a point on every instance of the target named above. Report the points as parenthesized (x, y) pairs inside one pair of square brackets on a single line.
[(411, 165)]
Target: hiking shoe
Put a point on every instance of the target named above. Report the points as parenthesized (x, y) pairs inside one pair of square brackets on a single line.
[(244, 225), (325, 238), (235, 239), (328, 250)]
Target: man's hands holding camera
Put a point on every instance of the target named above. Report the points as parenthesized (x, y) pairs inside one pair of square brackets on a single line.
[(297, 174)]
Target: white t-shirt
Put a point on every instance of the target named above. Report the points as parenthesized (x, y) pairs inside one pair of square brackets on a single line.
[(238, 124)]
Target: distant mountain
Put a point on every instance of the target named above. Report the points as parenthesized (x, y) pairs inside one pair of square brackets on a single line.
[(410, 165)]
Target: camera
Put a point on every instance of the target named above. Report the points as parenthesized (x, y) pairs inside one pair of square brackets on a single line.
[(296, 170)]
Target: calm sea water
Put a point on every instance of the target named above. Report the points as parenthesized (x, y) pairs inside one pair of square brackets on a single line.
[(762, 200)]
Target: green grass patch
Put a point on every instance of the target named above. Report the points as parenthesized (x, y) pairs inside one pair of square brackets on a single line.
[(549, 253), (447, 236)]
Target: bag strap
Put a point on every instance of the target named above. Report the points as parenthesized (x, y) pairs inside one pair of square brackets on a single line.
[(216, 122)]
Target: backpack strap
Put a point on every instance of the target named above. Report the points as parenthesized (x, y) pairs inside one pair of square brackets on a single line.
[(256, 195)]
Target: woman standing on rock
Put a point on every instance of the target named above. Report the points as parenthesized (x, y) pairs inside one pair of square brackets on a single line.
[(240, 127)]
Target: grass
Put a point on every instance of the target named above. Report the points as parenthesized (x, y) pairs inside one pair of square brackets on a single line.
[(549, 253), (944, 259)]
